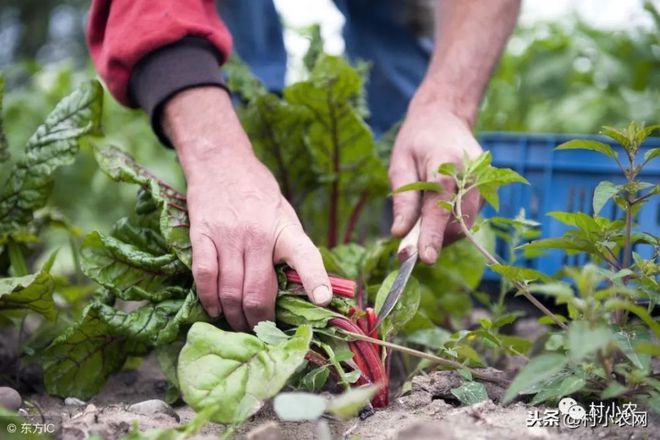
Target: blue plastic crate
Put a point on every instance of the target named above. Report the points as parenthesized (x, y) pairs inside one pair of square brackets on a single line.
[(562, 181)]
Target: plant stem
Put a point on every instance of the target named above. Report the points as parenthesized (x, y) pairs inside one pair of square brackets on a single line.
[(355, 215), (334, 189), (522, 288), (430, 357), (627, 252)]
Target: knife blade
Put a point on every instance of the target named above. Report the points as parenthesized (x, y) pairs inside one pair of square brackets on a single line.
[(408, 255)]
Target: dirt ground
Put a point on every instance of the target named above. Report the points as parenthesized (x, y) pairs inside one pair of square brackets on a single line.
[(426, 412)]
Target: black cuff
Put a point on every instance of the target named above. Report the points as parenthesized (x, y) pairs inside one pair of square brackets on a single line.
[(190, 62)]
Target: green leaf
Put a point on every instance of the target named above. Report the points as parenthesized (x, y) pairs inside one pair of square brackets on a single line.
[(470, 393), (603, 192), (53, 144), (315, 379), (615, 134), (404, 310), (315, 49), (268, 332), (31, 292), (586, 144), (625, 339), (350, 402), (434, 338), (236, 371), (297, 311), (131, 273), (446, 205), (499, 176), (345, 158), (641, 313), (79, 361), (168, 357), (537, 371), (570, 385), (277, 132), (651, 154), (241, 80), (489, 193), (447, 169), (584, 339), (614, 389), (298, 407), (420, 186), (174, 222), (521, 274)]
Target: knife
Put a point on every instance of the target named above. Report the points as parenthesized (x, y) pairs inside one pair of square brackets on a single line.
[(407, 254)]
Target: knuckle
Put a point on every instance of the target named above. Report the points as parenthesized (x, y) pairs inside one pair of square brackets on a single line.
[(434, 238), (230, 297), (255, 304), (203, 273)]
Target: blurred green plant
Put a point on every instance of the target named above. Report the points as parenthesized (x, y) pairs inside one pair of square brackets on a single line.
[(570, 77)]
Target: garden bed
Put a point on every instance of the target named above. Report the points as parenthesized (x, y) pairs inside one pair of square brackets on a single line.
[(418, 415)]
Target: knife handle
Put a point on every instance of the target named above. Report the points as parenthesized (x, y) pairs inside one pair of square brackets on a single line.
[(408, 245)]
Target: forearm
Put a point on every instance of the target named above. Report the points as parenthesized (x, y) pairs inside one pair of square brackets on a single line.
[(470, 36), (204, 128)]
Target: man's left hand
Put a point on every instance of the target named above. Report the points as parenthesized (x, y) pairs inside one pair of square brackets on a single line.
[(430, 135)]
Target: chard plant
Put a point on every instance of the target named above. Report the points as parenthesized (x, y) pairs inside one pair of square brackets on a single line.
[(27, 183)]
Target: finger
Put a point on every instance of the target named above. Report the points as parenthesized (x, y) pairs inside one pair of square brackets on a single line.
[(406, 204), (259, 286), (295, 248), (205, 272), (434, 222), (230, 288)]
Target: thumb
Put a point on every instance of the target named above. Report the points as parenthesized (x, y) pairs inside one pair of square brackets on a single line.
[(406, 205), (296, 249)]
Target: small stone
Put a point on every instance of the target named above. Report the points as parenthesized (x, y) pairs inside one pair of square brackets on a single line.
[(72, 401), (10, 399), (414, 400), (266, 431), (153, 407)]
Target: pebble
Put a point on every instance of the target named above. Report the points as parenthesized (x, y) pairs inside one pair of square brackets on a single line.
[(72, 401), (10, 399), (266, 431), (153, 407)]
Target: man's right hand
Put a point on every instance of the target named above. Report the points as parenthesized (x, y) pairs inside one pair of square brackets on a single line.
[(240, 224)]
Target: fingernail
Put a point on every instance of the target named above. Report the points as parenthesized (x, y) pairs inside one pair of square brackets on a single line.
[(430, 254), (398, 222), (213, 312), (322, 295)]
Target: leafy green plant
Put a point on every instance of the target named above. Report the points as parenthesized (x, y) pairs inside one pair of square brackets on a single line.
[(597, 351), (24, 195), (569, 76), (146, 258)]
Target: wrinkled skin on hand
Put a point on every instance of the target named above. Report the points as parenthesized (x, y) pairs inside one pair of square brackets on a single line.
[(240, 224), (430, 135)]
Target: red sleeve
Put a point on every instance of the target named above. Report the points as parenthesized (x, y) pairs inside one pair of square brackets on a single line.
[(121, 32)]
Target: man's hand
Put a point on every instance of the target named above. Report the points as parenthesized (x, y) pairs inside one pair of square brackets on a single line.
[(469, 37), (431, 135), (240, 224)]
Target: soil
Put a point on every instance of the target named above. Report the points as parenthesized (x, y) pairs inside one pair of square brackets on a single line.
[(427, 411)]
